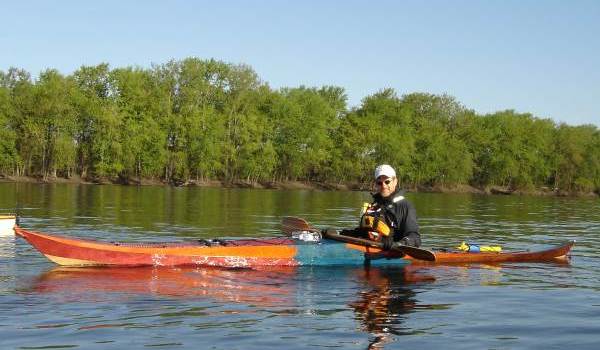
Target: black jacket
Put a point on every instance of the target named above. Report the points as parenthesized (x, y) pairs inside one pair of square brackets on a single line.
[(401, 216)]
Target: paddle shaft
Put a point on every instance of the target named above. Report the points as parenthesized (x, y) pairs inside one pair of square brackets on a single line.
[(414, 252), (353, 240)]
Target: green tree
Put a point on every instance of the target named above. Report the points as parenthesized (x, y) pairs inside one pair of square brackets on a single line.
[(576, 167), (46, 118), (304, 123), (204, 142), (8, 149), (19, 83), (94, 103), (515, 150), (245, 129), (379, 131), (143, 142), (440, 155)]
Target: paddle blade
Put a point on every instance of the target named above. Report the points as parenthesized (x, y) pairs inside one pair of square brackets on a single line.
[(291, 224), (417, 253)]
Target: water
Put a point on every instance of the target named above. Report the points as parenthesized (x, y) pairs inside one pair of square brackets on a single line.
[(511, 306)]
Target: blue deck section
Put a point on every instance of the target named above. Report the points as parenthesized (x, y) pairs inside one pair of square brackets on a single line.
[(330, 253)]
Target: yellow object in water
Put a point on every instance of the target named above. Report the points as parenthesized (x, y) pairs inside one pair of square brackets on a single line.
[(475, 248)]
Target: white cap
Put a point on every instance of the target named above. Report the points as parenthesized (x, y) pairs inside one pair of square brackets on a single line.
[(384, 170)]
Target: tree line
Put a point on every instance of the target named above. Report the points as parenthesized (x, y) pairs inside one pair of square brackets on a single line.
[(197, 120)]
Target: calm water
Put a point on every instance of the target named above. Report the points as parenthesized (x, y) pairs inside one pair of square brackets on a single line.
[(512, 306)]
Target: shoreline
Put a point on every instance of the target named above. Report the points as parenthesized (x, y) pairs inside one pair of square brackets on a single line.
[(296, 185)]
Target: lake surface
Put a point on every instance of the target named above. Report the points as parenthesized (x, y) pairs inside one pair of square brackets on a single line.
[(509, 306)]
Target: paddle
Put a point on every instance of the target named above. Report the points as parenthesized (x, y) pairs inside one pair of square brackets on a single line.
[(292, 224)]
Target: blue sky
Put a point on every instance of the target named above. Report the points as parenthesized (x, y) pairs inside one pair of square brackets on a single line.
[(541, 57)]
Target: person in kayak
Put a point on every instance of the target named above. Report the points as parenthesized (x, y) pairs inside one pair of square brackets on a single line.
[(390, 218)]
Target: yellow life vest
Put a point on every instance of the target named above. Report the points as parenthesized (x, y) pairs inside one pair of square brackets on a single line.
[(376, 227)]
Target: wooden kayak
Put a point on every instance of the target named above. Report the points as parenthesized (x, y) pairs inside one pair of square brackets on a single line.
[(279, 251), (7, 223)]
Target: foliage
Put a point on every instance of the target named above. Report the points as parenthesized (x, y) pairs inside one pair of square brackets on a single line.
[(197, 120)]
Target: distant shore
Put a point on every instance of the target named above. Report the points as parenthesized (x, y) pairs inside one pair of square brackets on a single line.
[(297, 185)]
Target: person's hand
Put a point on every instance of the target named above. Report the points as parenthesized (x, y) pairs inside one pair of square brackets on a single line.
[(329, 232), (404, 241)]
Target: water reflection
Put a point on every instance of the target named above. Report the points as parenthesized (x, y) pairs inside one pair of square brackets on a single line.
[(383, 300), (258, 287), (386, 297), (380, 297)]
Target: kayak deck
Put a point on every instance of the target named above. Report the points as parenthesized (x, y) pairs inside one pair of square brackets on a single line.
[(555, 253)]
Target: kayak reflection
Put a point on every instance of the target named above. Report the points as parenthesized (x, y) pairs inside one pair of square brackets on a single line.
[(389, 294), (260, 287), (383, 297)]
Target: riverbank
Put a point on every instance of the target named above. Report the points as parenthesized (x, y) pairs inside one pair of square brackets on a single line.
[(299, 185)]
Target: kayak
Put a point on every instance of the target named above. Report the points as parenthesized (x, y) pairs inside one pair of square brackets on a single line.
[(7, 223), (248, 253)]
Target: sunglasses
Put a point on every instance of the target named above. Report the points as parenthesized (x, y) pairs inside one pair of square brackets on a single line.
[(387, 182)]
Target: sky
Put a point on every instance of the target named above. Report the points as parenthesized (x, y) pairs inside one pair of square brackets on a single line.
[(538, 57)]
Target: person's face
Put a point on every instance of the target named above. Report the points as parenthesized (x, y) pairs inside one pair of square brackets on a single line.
[(386, 185)]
